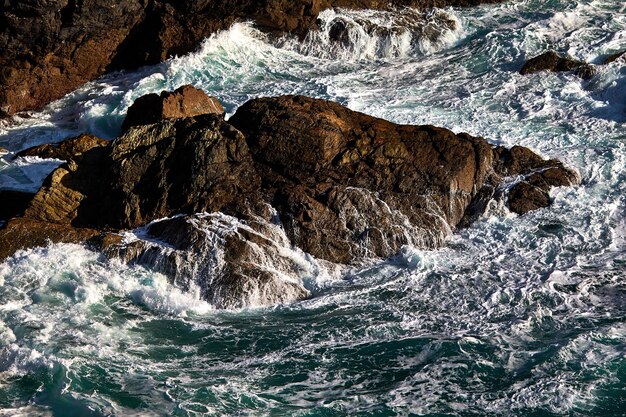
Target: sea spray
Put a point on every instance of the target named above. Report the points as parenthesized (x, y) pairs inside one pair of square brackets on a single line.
[(233, 263), (519, 315)]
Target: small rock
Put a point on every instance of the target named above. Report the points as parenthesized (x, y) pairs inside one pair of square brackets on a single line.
[(66, 150), (187, 101), (551, 61), (525, 197)]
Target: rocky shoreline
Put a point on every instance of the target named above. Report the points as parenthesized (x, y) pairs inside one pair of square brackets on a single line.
[(332, 183), (51, 48)]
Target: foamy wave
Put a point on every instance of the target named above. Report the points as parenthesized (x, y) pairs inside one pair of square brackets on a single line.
[(229, 262), (370, 34)]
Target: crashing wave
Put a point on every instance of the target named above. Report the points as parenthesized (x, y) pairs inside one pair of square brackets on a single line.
[(234, 263), (374, 34)]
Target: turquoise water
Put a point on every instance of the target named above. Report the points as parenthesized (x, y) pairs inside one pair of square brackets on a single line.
[(515, 316)]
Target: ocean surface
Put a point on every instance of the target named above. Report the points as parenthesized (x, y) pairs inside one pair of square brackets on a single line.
[(514, 316)]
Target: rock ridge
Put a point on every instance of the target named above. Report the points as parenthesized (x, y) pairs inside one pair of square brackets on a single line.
[(286, 178)]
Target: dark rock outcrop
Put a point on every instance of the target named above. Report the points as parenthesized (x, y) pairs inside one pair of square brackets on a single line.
[(49, 48), (286, 173), (348, 185), (185, 165), (14, 203), (66, 150), (25, 233), (551, 61), (186, 101)]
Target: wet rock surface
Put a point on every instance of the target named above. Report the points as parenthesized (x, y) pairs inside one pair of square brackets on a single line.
[(234, 264), (618, 56), (284, 174), (551, 61), (186, 101), (65, 150), (49, 48)]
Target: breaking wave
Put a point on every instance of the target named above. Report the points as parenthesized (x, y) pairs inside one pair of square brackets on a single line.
[(516, 315)]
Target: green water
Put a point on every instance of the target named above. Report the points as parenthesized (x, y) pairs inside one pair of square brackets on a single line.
[(515, 316)]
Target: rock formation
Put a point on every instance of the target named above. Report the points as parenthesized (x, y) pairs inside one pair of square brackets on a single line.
[(50, 48), (551, 61), (14, 203), (66, 150), (187, 101), (285, 173)]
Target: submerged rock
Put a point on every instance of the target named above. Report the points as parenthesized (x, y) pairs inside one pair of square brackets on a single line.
[(187, 101), (284, 174), (551, 61)]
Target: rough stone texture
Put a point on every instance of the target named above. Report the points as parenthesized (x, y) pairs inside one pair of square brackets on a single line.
[(551, 61), (51, 47), (348, 185), (187, 101), (26, 233), (234, 264), (284, 172), (153, 171), (66, 150)]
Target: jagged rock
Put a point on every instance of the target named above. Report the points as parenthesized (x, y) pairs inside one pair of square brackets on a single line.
[(348, 185), (50, 48), (234, 264), (152, 171), (305, 173), (66, 150), (551, 61), (13, 203), (187, 101)]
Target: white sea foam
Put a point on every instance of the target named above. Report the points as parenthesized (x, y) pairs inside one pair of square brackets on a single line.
[(368, 34), (518, 314)]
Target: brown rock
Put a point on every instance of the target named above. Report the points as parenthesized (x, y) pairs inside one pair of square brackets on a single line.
[(187, 101), (551, 61), (25, 233), (66, 150), (348, 185), (525, 197), (310, 174)]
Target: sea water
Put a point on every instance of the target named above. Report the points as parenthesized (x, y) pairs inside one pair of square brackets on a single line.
[(516, 315)]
